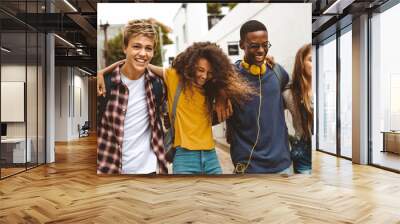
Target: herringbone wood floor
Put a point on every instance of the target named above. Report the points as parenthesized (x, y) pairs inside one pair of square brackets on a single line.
[(69, 191)]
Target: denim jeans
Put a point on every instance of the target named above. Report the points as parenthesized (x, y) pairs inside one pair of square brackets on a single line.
[(301, 156), (287, 171), (196, 162)]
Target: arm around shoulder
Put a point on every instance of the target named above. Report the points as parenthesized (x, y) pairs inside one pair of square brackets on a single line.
[(101, 87), (157, 70)]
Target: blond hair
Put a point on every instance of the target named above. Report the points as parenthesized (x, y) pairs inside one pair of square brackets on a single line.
[(139, 27)]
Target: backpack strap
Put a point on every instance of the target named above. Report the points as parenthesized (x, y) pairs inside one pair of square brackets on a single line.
[(283, 80), (109, 84), (158, 87), (174, 106), (102, 101)]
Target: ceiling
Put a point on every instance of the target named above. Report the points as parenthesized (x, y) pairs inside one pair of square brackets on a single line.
[(329, 16), (72, 20)]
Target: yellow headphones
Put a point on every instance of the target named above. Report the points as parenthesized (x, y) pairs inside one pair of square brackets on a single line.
[(254, 69)]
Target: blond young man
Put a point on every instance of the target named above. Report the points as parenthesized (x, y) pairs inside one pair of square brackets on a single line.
[(130, 136)]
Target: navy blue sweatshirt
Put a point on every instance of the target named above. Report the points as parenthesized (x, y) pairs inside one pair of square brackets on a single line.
[(271, 153)]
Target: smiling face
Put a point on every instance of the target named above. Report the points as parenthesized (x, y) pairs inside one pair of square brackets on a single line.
[(255, 47), (139, 51), (203, 72)]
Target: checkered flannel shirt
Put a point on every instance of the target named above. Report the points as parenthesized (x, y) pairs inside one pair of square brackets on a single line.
[(110, 132)]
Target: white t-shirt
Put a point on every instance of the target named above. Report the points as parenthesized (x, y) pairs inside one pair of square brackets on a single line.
[(137, 155)]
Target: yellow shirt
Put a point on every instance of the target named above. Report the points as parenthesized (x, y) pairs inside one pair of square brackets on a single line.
[(193, 128)]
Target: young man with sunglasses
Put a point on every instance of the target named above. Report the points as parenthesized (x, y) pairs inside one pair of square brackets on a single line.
[(257, 131)]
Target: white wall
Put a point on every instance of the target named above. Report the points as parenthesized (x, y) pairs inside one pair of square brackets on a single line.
[(79, 117), (61, 107), (178, 36), (16, 73), (33, 127), (194, 19), (69, 85)]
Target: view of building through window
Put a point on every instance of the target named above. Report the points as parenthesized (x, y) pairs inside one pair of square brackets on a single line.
[(327, 96), (346, 94), (385, 84)]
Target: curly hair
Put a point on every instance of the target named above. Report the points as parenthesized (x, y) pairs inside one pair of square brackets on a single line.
[(224, 76)]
